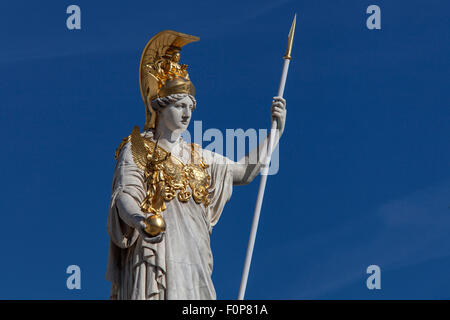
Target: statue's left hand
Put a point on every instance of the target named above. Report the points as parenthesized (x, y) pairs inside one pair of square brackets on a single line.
[(145, 236), (278, 112)]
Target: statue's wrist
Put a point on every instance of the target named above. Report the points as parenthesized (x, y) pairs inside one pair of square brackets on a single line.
[(137, 219)]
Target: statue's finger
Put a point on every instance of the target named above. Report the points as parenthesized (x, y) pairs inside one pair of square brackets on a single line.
[(278, 109), (276, 115), (275, 106), (153, 240), (280, 103), (281, 99)]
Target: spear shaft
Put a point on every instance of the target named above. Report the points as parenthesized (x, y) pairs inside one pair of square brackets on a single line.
[(265, 169)]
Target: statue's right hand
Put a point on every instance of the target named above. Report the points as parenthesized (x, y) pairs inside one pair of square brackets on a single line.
[(145, 236)]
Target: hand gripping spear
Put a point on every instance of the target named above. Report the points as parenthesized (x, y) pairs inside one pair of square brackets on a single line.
[(265, 169)]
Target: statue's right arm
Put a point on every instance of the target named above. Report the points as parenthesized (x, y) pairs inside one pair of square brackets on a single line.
[(129, 211), (127, 204)]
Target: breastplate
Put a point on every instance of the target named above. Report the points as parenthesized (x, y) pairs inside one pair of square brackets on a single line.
[(166, 177)]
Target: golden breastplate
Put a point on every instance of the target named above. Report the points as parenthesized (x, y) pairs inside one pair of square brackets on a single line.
[(167, 177)]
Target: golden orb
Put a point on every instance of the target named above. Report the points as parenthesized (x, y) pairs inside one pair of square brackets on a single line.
[(154, 225)]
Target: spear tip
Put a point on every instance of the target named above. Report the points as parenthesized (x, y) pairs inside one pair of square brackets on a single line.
[(290, 39)]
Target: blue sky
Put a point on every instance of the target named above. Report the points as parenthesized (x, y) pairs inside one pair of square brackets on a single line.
[(364, 162)]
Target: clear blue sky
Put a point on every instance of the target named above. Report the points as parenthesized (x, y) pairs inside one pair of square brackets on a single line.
[(364, 175)]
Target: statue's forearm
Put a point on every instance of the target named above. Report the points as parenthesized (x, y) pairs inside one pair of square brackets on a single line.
[(249, 166), (129, 210)]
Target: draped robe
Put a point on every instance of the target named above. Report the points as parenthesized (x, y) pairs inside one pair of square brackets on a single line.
[(180, 266)]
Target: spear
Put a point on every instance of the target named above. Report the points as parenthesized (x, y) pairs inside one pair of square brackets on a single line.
[(265, 169)]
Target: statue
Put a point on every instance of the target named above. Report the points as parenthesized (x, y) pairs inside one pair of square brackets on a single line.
[(168, 194)]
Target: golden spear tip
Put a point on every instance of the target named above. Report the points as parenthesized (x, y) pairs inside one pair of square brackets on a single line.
[(290, 39)]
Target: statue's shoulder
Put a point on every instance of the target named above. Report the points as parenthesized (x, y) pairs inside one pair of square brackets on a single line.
[(216, 158), (121, 145), (209, 156), (146, 135)]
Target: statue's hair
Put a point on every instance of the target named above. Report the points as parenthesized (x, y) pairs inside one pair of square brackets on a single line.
[(160, 103)]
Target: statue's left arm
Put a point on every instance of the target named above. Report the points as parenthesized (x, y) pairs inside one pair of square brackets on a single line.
[(248, 168)]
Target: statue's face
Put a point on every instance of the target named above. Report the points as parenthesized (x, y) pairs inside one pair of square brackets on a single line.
[(176, 117), (176, 57)]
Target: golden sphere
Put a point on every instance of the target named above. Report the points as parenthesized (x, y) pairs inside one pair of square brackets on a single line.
[(154, 225)]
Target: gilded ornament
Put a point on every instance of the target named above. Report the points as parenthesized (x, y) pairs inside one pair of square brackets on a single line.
[(167, 177)]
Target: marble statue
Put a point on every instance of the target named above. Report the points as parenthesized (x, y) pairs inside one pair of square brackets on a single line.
[(168, 194)]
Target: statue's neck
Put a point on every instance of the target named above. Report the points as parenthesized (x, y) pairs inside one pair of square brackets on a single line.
[(167, 139)]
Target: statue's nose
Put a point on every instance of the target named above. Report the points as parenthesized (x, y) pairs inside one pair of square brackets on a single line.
[(187, 113)]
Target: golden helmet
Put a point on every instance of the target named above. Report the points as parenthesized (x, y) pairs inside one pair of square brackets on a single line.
[(160, 73)]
